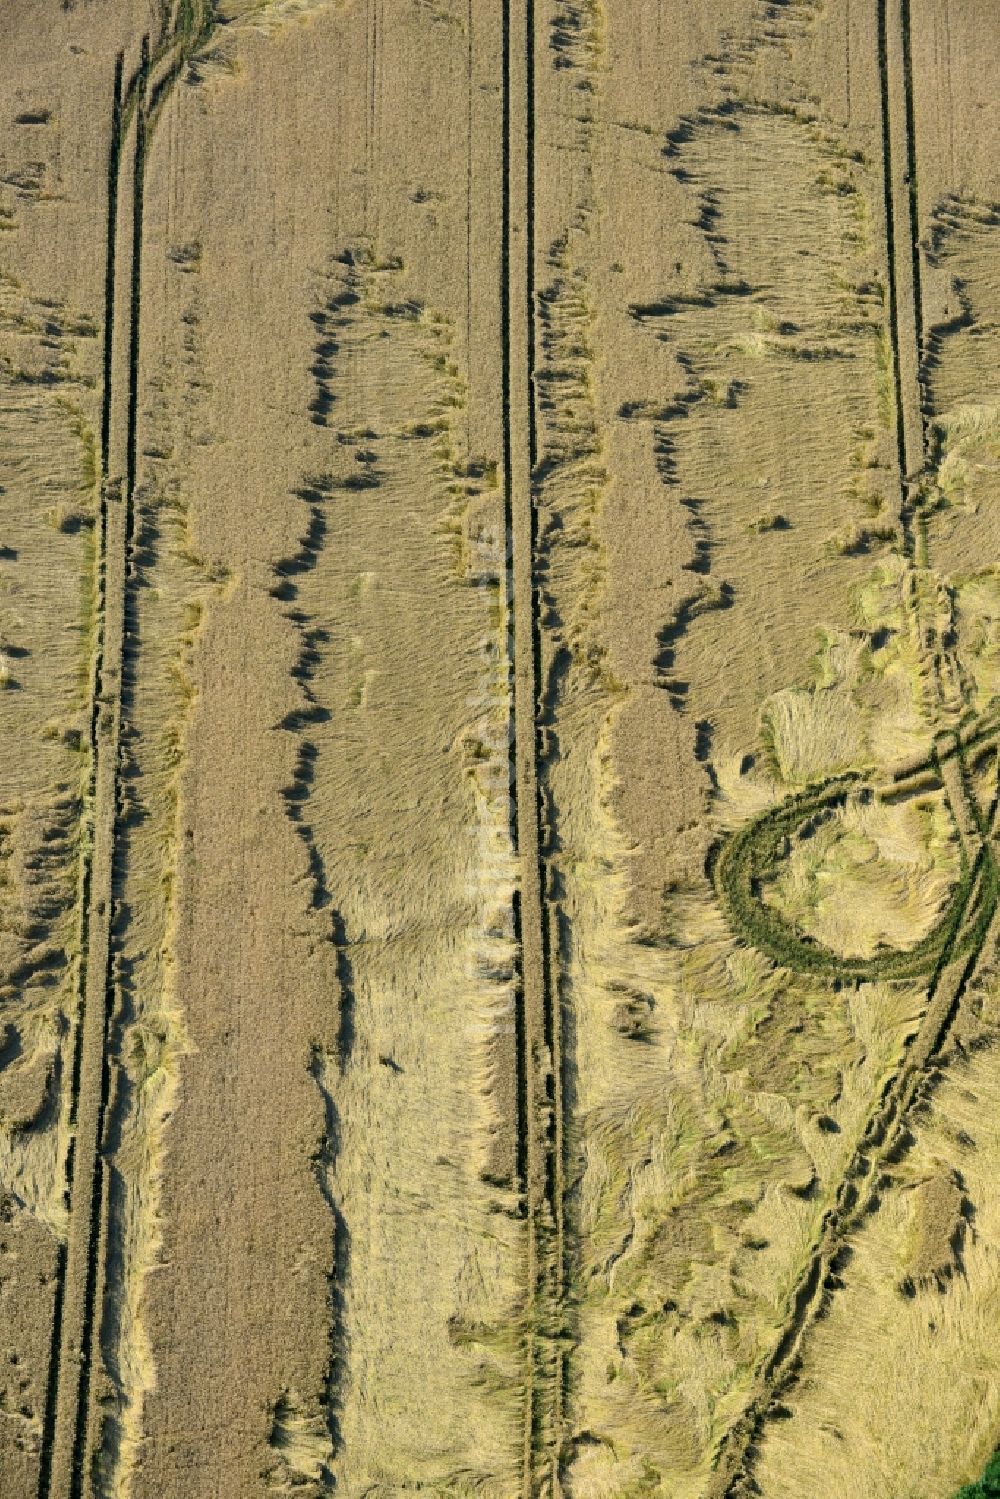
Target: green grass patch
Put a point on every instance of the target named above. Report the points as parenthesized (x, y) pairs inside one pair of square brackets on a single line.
[(987, 1487), (751, 855)]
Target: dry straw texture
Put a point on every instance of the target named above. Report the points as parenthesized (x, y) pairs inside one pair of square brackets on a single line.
[(499, 675)]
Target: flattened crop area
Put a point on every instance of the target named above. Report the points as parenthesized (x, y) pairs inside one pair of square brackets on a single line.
[(499, 749)]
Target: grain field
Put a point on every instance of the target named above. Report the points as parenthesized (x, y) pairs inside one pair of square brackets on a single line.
[(499, 749)]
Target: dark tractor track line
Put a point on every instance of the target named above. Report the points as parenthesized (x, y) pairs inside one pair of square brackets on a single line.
[(96, 692), (529, 227), (537, 1022), (114, 156), (972, 933), (65, 1462), (906, 518), (883, 1136), (911, 174), (94, 1278), (521, 1053)]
